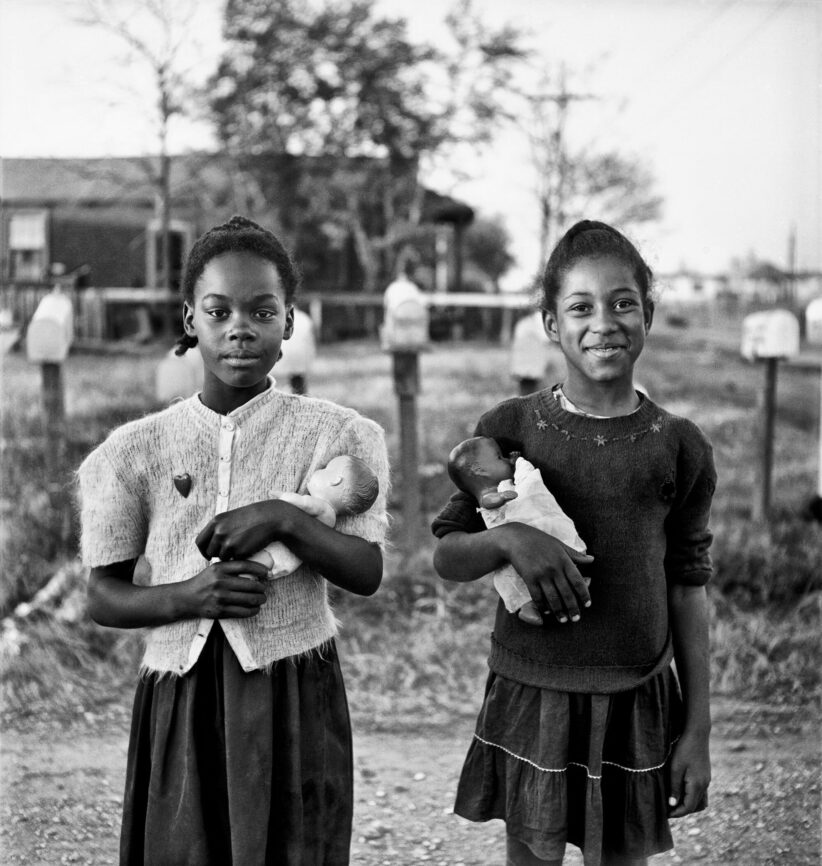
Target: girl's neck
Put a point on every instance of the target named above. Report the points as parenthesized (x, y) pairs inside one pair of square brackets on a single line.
[(224, 399), (604, 399)]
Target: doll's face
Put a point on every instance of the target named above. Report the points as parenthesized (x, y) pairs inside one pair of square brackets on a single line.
[(334, 483), (491, 463)]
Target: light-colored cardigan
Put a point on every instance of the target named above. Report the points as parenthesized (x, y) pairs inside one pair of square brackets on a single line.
[(272, 444)]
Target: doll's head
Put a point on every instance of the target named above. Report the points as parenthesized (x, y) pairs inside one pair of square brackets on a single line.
[(477, 466), (347, 483)]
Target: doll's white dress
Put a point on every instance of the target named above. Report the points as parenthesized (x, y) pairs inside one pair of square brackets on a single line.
[(535, 506)]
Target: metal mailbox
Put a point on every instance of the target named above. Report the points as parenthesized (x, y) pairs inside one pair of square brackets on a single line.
[(405, 328), (770, 334), (51, 330), (813, 322)]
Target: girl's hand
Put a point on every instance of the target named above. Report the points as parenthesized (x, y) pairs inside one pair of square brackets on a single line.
[(224, 590), (549, 569), (242, 531), (690, 775)]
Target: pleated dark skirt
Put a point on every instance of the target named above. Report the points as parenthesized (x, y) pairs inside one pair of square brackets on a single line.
[(227, 768), (559, 767)]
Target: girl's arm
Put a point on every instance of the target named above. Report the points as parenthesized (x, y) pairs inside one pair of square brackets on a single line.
[(690, 762), (348, 561), (218, 591), (548, 567)]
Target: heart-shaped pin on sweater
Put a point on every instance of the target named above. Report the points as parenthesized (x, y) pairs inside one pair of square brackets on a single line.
[(183, 484)]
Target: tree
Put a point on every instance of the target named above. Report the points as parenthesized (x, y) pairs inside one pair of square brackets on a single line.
[(153, 32), (343, 101), (572, 184), (487, 245)]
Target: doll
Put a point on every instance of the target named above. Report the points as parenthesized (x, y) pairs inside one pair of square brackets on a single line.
[(510, 489), (346, 486)]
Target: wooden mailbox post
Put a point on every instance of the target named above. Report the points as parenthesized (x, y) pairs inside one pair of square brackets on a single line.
[(404, 335), (768, 336), (813, 334), (48, 340)]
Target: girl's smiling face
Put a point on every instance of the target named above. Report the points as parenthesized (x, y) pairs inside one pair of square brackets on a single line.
[(600, 322), (240, 318)]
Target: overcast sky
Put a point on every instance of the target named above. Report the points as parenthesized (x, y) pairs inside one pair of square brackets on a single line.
[(722, 98)]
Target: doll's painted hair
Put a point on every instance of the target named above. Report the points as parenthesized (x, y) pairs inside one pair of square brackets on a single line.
[(464, 461), (365, 485), (239, 234), (591, 239)]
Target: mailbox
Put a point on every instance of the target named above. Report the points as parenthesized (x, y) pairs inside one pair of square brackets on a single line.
[(178, 375), (813, 322), (405, 328), (51, 330), (770, 334)]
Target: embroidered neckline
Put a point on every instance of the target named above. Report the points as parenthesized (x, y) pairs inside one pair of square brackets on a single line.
[(589, 428), (559, 394)]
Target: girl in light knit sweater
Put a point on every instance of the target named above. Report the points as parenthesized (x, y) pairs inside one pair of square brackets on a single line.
[(240, 748), (583, 736)]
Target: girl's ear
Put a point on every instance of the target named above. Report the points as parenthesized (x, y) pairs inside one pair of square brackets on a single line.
[(549, 322), (289, 323), (648, 314), (188, 319)]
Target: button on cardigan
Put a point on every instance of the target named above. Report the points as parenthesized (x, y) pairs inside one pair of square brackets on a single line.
[(131, 506)]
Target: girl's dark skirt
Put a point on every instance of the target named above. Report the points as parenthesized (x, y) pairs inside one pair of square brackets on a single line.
[(228, 768), (558, 767)]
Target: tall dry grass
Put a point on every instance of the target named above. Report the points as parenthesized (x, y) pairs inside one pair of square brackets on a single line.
[(416, 650)]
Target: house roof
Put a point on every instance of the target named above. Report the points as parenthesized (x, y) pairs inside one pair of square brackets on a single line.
[(129, 181), (112, 180)]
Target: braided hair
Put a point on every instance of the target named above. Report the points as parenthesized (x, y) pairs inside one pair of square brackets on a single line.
[(239, 234), (591, 239)]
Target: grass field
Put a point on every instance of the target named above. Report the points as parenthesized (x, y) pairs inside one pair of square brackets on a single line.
[(418, 646)]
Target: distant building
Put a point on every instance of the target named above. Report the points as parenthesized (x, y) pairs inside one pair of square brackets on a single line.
[(97, 219), (686, 287)]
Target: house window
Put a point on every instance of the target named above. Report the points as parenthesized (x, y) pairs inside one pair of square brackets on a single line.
[(28, 248)]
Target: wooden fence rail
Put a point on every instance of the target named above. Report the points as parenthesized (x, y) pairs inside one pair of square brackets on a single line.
[(103, 314)]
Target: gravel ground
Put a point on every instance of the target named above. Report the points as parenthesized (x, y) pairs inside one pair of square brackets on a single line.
[(62, 778)]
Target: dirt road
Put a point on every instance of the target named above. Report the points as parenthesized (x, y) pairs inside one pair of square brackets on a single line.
[(61, 794)]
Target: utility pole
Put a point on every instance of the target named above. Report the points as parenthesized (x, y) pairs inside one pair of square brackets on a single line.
[(550, 159), (792, 264)]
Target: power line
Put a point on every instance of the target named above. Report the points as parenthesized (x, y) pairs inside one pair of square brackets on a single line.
[(726, 57)]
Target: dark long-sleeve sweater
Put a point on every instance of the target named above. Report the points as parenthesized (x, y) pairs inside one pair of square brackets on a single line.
[(638, 488)]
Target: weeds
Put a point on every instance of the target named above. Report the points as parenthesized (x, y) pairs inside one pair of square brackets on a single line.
[(417, 649)]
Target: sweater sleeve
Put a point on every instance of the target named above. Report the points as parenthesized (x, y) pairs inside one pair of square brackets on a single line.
[(365, 439), (460, 513), (687, 557), (113, 521)]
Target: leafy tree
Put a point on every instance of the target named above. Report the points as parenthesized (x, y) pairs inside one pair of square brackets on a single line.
[(153, 33), (487, 245), (345, 102), (572, 184)]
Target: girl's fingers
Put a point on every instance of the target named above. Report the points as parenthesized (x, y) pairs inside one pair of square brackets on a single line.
[(569, 599), (553, 600), (245, 567), (203, 540), (238, 612)]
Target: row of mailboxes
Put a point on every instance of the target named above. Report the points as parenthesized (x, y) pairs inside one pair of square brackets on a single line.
[(51, 330), (765, 334), (770, 334), (775, 333), (405, 327)]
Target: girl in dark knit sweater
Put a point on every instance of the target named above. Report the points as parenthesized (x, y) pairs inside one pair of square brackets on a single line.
[(585, 734)]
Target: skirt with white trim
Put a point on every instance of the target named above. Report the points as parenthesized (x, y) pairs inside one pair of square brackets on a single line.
[(562, 767)]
